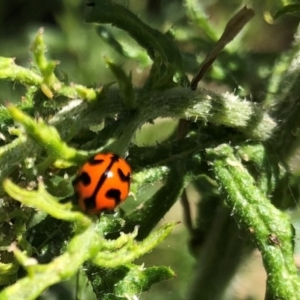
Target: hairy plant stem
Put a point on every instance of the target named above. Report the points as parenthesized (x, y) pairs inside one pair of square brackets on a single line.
[(286, 137), (226, 109), (270, 228)]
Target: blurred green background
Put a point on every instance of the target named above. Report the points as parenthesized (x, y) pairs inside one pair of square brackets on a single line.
[(81, 53)]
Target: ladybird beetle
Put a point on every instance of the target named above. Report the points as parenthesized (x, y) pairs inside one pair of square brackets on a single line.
[(102, 183)]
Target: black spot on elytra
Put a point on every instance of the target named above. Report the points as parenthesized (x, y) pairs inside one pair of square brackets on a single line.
[(114, 194), (90, 4), (93, 161), (84, 178), (115, 158), (90, 202), (123, 177)]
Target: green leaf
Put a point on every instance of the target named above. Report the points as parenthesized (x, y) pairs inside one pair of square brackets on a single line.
[(43, 201), (291, 9), (126, 249), (156, 43), (9, 70), (46, 68), (161, 76), (81, 247), (47, 136), (125, 84), (129, 51), (126, 281)]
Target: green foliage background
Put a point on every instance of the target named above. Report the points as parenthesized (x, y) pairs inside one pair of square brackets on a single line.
[(228, 163)]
